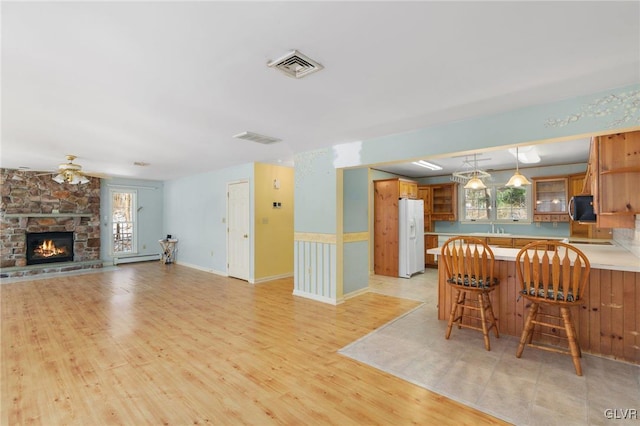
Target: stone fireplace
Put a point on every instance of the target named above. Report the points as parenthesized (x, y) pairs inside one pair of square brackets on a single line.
[(34, 207)]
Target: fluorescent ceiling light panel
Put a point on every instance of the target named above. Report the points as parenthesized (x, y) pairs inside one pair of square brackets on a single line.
[(427, 165)]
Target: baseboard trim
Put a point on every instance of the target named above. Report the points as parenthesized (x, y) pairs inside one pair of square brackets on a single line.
[(356, 293), (271, 278), (317, 298), (201, 268)]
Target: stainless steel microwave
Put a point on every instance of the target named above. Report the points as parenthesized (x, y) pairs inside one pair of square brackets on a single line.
[(581, 209)]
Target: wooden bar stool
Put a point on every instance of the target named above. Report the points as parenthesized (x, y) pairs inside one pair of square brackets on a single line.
[(552, 274), (469, 266)]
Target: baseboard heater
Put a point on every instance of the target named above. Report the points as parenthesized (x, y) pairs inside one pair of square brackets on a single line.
[(139, 258)]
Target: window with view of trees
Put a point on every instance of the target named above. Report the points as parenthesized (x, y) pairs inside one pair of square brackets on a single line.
[(496, 203)]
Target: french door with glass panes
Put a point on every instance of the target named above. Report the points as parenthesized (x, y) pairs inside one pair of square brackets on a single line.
[(123, 222)]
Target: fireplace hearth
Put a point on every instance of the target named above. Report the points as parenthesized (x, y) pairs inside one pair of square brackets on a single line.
[(49, 247)]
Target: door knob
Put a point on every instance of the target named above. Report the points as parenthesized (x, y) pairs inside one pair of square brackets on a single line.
[(246, 236)]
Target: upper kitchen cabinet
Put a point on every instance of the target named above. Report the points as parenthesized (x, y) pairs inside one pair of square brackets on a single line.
[(614, 178), (444, 199), (550, 199), (408, 189), (424, 193)]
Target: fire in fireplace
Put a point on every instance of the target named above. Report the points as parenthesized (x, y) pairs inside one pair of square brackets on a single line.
[(49, 247)]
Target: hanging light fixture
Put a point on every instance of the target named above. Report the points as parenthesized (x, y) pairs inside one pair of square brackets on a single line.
[(517, 179), (475, 182)]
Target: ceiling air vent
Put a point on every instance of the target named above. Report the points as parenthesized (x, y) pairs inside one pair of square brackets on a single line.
[(255, 137), (296, 65)]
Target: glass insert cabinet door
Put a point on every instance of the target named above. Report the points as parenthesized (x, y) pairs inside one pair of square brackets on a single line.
[(550, 195)]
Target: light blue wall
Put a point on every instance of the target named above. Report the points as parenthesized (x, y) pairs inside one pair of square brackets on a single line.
[(195, 212), (591, 113), (150, 200), (356, 200), (315, 192), (356, 219), (356, 270)]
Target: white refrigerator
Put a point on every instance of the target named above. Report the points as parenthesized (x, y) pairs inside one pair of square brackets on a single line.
[(411, 237)]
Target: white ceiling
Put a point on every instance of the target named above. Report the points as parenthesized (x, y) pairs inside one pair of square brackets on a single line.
[(170, 83)]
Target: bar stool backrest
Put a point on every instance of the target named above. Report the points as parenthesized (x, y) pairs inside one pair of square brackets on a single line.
[(550, 271), (468, 262)]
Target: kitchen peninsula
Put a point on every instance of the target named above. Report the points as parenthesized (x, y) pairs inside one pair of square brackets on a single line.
[(607, 322)]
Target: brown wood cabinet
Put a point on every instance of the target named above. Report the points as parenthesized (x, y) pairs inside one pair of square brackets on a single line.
[(430, 241), (440, 201), (614, 165), (387, 192), (550, 197), (408, 189), (444, 198), (424, 193), (500, 242)]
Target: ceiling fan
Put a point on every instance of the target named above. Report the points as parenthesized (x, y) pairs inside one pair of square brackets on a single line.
[(72, 173)]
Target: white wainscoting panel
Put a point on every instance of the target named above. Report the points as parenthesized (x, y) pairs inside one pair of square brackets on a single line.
[(315, 270)]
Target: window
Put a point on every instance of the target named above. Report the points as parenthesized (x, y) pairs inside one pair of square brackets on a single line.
[(496, 204), (123, 220)]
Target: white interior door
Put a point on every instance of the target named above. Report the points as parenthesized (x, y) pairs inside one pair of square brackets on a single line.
[(238, 223)]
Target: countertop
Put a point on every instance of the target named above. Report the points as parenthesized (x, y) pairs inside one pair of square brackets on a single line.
[(613, 257), (490, 234)]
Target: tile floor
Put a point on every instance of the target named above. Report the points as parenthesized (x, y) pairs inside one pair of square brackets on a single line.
[(540, 388)]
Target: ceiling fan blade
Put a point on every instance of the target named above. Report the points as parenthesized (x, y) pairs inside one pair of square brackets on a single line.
[(96, 175)]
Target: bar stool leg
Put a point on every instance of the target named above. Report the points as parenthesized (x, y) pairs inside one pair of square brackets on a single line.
[(527, 332), (454, 310), (571, 336), (483, 319), (494, 320)]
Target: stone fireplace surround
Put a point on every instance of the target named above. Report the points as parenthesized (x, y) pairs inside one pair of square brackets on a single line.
[(32, 202)]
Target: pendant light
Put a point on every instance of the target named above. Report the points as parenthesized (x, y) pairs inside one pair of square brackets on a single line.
[(517, 179), (475, 182)]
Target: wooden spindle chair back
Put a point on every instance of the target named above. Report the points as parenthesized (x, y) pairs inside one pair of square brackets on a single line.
[(469, 266), (553, 274), (468, 261)]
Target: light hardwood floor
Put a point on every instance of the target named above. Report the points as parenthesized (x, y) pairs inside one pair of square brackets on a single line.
[(165, 344)]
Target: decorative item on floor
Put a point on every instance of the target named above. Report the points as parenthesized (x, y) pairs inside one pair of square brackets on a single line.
[(553, 275), (469, 264), (168, 249), (517, 179)]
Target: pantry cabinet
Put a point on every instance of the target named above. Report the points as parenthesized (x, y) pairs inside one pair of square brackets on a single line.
[(387, 192)]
